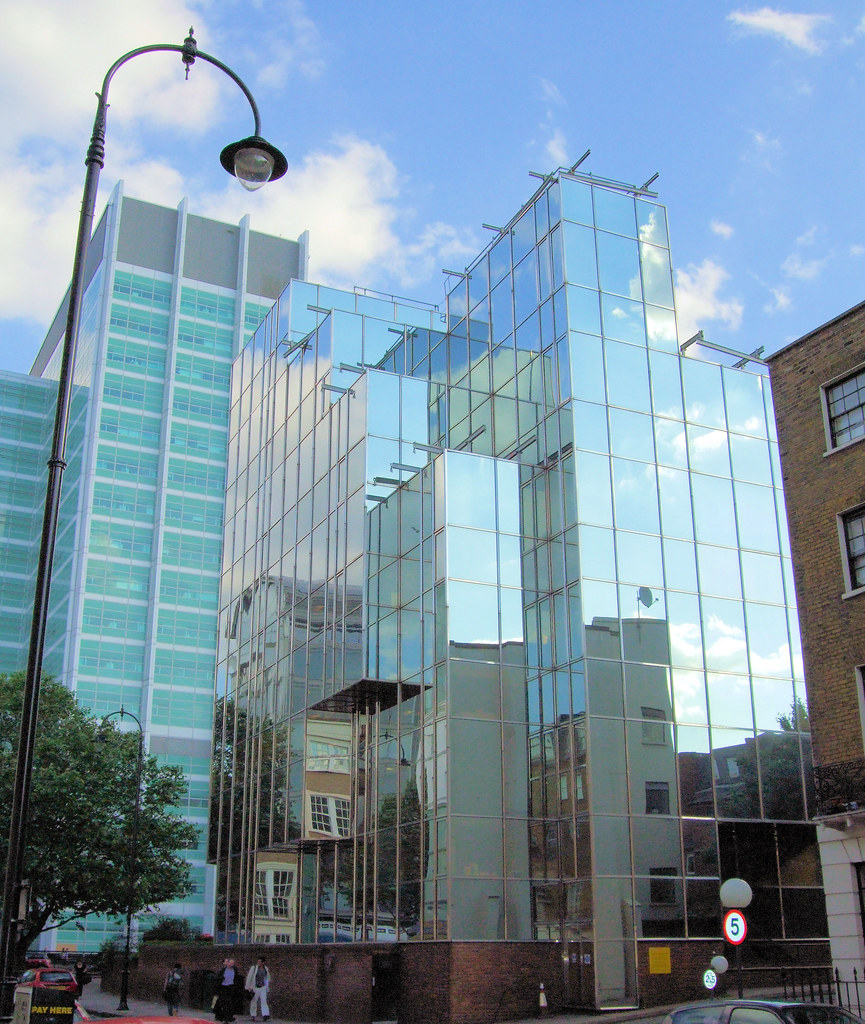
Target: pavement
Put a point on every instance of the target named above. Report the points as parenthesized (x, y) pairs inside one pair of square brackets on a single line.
[(101, 1004)]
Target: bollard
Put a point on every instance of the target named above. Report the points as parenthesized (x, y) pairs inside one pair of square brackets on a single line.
[(542, 1001)]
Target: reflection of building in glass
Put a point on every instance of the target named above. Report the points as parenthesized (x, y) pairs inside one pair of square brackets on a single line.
[(820, 384), (170, 299), (547, 557)]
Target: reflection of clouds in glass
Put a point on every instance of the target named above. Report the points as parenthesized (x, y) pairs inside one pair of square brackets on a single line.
[(657, 276), (661, 326), (774, 664), (670, 439), (685, 642), (710, 440), (653, 229), (690, 696)]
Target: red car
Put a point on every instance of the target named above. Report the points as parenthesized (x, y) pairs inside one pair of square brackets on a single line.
[(49, 977)]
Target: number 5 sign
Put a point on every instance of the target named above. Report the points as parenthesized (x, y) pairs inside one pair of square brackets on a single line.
[(735, 928)]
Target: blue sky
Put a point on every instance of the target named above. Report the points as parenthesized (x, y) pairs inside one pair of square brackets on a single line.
[(408, 126)]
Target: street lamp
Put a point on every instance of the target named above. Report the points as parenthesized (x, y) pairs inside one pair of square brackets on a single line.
[(253, 161), (736, 894), (132, 865)]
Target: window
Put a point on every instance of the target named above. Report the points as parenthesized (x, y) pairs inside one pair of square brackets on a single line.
[(330, 814), (853, 539), (657, 798), (273, 891), (654, 732), (845, 409), (661, 888)]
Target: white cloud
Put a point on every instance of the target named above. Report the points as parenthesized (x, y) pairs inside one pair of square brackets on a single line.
[(721, 229), (857, 250), (762, 151), (801, 269), (551, 92), (348, 199), (798, 30), (556, 149), (698, 300), (781, 300)]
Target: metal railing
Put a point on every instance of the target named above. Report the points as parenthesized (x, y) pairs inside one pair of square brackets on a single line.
[(824, 985)]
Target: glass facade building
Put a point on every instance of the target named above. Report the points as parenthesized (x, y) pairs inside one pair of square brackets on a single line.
[(508, 647), (171, 299)]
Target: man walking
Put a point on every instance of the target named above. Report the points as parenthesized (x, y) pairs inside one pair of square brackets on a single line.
[(171, 989), (258, 982)]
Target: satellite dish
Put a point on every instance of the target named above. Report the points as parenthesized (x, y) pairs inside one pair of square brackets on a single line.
[(644, 596)]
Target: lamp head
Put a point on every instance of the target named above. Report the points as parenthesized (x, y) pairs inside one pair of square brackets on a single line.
[(253, 161)]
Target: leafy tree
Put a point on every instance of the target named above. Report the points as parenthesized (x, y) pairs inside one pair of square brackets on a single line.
[(79, 833), (797, 720), (170, 929)]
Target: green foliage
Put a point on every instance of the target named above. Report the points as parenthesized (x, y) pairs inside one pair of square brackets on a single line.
[(170, 929), (79, 834)]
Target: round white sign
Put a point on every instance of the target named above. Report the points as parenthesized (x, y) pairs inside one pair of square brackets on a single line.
[(710, 979), (735, 928)]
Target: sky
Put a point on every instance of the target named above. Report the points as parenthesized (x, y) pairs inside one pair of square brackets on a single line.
[(407, 127)]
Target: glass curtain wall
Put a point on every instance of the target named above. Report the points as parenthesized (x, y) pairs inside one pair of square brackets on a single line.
[(509, 645)]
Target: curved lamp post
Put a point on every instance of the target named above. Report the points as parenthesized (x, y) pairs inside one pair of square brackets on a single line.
[(132, 866), (253, 161)]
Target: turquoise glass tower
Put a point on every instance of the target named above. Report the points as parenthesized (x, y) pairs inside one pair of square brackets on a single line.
[(171, 299)]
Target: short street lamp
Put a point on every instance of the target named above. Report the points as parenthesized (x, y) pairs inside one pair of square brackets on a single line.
[(736, 895), (132, 863), (253, 161)]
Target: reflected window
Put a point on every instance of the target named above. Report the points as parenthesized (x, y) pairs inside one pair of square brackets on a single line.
[(853, 524), (657, 798), (329, 814), (654, 729), (845, 409), (273, 888), (662, 888)]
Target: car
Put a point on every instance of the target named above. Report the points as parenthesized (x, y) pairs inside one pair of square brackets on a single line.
[(760, 1011), (37, 961), (49, 977), (79, 1013)]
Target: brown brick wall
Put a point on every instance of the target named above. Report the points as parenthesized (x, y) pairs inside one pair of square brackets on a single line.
[(459, 982), (817, 488)]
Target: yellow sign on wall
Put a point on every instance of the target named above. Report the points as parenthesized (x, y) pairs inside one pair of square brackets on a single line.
[(659, 960)]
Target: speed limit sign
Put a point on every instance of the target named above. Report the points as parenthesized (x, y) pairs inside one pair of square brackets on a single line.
[(735, 928)]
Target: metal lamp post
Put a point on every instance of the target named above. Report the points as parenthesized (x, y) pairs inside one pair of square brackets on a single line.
[(253, 161), (736, 894), (132, 866)]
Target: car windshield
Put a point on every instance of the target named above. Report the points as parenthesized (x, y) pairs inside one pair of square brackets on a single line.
[(54, 976), (709, 1014)]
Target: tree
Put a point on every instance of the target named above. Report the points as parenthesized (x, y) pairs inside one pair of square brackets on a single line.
[(79, 831)]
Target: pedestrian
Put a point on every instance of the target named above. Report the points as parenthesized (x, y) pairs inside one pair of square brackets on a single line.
[(171, 989), (229, 992), (257, 983), (82, 976)]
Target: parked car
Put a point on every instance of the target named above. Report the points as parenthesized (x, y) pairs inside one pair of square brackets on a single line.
[(49, 977), (37, 961), (760, 1011)]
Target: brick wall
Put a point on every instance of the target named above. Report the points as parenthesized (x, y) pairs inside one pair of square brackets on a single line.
[(818, 487)]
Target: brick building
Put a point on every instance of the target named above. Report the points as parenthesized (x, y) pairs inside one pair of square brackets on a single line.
[(819, 391)]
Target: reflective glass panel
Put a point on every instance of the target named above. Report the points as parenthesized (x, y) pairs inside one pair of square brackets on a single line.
[(619, 265), (695, 775), (730, 701), (636, 496), (709, 451), (652, 223), (750, 459), (614, 211), (587, 367), (583, 311), (657, 275), (581, 264), (719, 571), (576, 201), (624, 319), (704, 399), (631, 435), (627, 376), (714, 514)]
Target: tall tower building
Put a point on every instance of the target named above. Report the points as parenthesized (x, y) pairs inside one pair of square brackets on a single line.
[(170, 300), (508, 641)]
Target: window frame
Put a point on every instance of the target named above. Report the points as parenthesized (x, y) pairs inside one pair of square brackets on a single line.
[(825, 389), (850, 587)]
